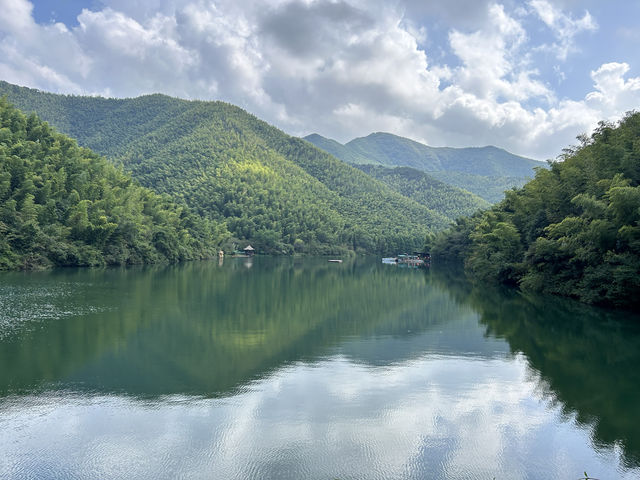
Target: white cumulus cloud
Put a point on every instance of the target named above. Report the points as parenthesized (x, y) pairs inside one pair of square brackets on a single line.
[(563, 26), (342, 68)]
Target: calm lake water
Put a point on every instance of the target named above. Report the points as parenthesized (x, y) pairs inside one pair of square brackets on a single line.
[(296, 369)]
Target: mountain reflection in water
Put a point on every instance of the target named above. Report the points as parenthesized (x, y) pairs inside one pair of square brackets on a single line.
[(366, 340)]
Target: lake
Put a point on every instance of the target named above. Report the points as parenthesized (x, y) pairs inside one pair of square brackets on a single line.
[(303, 369)]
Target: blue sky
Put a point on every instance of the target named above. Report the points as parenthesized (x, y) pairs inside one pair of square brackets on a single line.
[(527, 76), (65, 11)]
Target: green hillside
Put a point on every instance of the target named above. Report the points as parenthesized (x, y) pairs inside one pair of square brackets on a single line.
[(424, 189), (574, 230), (337, 149), (488, 187), (486, 171), (278, 192), (392, 150), (62, 205)]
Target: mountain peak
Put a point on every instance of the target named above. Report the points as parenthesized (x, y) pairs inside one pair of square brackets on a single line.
[(316, 137), (486, 171)]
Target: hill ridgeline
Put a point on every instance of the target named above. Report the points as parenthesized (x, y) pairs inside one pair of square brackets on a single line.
[(278, 192), (484, 171)]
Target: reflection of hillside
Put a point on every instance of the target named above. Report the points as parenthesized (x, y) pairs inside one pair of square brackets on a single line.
[(588, 358), (449, 336), (87, 313), (234, 325), (207, 330), (201, 329)]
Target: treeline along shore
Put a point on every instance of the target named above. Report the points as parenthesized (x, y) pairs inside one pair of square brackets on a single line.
[(574, 230)]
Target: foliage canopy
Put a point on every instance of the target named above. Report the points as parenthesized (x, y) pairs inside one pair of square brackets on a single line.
[(62, 205), (277, 192), (573, 230)]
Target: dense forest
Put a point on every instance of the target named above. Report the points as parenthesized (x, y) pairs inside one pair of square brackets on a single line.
[(280, 193), (62, 205), (574, 230), (450, 201), (490, 188), (486, 171)]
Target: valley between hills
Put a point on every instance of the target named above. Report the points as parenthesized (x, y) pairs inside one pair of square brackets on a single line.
[(159, 179), (269, 189)]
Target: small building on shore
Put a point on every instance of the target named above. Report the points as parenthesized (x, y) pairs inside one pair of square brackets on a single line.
[(249, 251)]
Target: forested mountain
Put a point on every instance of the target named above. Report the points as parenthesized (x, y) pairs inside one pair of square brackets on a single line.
[(63, 205), (337, 149), (437, 193), (278, 192), (392, 150), (490, 188), (574, 230), (451, 201), (486, 171)]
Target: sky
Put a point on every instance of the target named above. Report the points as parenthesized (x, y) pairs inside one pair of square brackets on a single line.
[(528, 76)]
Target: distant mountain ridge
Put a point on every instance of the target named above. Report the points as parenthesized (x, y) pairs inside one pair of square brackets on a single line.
[(392, 150), (485, 171), (338, 150)]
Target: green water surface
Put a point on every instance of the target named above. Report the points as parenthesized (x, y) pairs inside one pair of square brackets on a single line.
[(283, 368)]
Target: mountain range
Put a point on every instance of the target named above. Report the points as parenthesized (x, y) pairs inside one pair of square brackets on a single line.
[(278, 192), (485, 171)]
